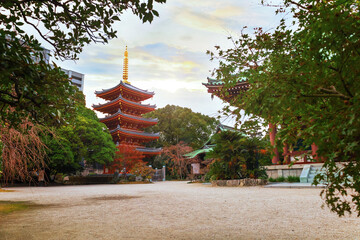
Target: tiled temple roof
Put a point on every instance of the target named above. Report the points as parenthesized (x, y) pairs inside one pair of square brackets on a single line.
[(149, 150), (129, 116), (138, 133), (216, 82), (127, 86), (125, 100)]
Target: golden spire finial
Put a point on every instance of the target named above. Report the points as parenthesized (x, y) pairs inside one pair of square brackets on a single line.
[(126, 65)]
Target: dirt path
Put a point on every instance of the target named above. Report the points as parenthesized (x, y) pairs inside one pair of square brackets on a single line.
[(174, 210)]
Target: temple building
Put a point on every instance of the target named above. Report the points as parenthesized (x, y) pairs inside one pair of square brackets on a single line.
[(124, 110), (215, 86)]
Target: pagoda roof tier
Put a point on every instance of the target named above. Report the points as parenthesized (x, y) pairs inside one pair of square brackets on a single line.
[(112, 106), (134, 134), (215, 86), (149, 151), (114, 92), (132, 118)]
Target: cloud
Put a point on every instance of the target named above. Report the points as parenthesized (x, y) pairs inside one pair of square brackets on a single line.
[(199, 20), (168, 55), (228, 11)]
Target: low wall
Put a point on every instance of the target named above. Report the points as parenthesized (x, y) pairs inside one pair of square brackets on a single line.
[(238, 182), (102, 179), (275, 171)]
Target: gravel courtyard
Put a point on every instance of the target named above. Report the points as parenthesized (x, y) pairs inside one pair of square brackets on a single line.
[(173, 210)]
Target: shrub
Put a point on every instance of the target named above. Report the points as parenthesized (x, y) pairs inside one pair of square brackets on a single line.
[(280, 179), (236, 157), (293, 179), (272, 179), (290, 179)]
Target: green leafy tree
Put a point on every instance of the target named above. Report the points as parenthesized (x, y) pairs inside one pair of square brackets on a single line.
[(235, 157), (84, 139), (304, 77), (27, 82), (28, 89), (181, 124)]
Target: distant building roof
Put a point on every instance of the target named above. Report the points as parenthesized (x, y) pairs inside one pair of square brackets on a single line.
[(209, 144)]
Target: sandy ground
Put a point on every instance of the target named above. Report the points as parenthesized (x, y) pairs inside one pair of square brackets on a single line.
[(173, 210)]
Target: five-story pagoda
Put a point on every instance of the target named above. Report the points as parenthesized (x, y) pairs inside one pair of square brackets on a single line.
[(124, 119)]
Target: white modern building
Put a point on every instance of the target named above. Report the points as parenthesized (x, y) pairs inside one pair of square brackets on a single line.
[(76, 78)]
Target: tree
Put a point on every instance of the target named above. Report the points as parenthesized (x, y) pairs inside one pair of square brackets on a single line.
[(304, 77), (27, 82), (181, 124), (126, 158), (175, 161), (33, 90), (23, 152), (235, 157), (141, 169), (84, 139)]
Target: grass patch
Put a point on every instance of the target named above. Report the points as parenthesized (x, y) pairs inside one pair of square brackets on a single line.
[(7, 207)]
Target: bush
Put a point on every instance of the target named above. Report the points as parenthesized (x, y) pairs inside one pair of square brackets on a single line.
[(236, 156), (272, 179), (131, 178), (280, 179), (293, 179), (290, 179)]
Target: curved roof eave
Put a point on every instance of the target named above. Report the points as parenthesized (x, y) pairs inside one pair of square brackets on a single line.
[(107, 90), (150, 150), (136, 89), (127, 86), (135, 133), (130, 116), (128, 101)]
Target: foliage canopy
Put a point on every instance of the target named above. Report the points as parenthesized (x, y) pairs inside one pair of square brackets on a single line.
[(235, 157), (83, 139), (181, 124), (305, 77), (27, 82)]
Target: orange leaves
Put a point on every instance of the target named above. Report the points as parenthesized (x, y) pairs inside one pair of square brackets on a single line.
[(176, 162), (23, 152), (126, 157)]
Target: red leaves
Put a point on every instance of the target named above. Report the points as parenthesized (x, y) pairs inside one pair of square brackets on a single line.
[(176, 162), (23, 152)]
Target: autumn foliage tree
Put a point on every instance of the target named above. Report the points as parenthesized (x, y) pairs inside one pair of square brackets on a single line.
[(23, 151), (143, 170), (126, 157), (175, 161)]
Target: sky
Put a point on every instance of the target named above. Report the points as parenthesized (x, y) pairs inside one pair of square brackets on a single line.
[(169, 56)]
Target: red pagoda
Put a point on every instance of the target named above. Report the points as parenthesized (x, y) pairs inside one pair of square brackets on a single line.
[(124, 120)]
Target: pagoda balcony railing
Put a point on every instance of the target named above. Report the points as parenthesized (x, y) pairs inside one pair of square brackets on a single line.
[(125, 100), (130, 116)]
